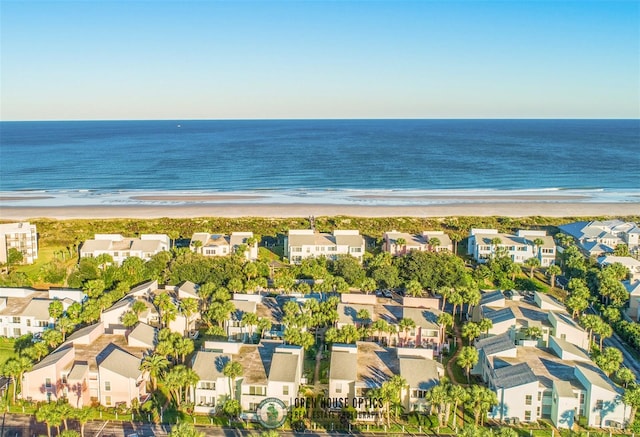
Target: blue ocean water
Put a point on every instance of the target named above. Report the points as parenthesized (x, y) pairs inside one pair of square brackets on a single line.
[(330, 159)]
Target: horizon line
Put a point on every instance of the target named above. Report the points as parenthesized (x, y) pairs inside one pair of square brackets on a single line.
[(314, 119)]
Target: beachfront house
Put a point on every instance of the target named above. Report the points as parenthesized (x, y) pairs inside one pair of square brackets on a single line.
[(602, 236), (306, 243), (485, 244), (400, 243), (22, 237), (208, 244), (121, 248)]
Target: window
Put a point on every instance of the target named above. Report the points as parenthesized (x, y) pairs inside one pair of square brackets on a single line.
[(599, 405), (47, 382), (107, 386), (207, 385), (581, 398), (28, 322), (539, 395), (285, 390), (527, 416), (356, 249), (17, 332), (253, 406), (255, 390), (107, 401), (339, 387), (203, 400), (527, 400), (16, 320), (538, 412)]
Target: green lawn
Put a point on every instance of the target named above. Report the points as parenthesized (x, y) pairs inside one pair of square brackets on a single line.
[(6, 349)]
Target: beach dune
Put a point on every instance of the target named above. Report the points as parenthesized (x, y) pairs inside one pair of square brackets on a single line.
[(506, 209)]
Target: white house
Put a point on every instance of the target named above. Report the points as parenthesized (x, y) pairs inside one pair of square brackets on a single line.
[(632, 264), (633, 287), (519, 247), (213, 387), (420, 242), (208, 244), (121, 248), (306, 243)]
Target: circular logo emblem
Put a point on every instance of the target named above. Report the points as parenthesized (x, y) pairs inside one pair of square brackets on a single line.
[(271, 412)]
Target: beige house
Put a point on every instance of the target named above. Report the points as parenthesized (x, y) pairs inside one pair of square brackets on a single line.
[(20, 236), (420, 242), (90, 366), (121, 248), (306, 243), (224, 245)]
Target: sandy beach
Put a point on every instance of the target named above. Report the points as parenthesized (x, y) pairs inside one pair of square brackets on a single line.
[(515, 209)]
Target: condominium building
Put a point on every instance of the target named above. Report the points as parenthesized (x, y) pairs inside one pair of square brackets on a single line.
[(121, 248), (400, 243), (485, 244), (306, 243), (22, 237)]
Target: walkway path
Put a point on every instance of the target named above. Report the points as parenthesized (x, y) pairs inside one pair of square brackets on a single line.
[(458, 336)]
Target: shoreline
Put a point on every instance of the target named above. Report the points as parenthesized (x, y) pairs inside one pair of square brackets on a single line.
[(235, 210)]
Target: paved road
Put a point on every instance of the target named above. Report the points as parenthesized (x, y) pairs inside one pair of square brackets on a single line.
[(629, 360), (15, 425)]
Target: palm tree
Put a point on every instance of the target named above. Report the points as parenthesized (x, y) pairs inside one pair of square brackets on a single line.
[(401, 242), (183, 347), (264, 324), (364, 317), (156, 365), (532, 263), (65, 325), (65, 411), (444, 320), (249, 320), (49, 414), (481, 399), (413, 288), (15, 368), (232, 370), (538, 243), (434, 243), (495, 242), (467, 358), (406, 325), (457, 300), (459, 396), (197, 246), (379, 326), (485, 325), (553, 271), (83, 415), (185, 429), (470, 331), (631, 397), (188, 307)]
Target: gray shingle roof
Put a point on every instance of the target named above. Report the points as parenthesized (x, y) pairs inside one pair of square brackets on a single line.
[(514, 376), (344, 365), (494, 345), (492, 296), (53, 357), (499, 316), (144, 334), (420, 373), (38, 308), (209, 365), (121, 362), (284, 367), (423, 317)]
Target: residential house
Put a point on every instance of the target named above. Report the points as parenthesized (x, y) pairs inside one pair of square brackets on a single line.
[(223, 245), (27, 315), (22, 237), (143, 336), (632, 264), (426, 333), (306, 243), (633, 287), (421, 374), (213, 387), (90, 367), (112, 316), (121, 248), (565, 328), (233, 326), (602, 236), (420, 242), (519, 247)]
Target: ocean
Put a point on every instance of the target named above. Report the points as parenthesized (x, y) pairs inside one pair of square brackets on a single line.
[(376, 162)]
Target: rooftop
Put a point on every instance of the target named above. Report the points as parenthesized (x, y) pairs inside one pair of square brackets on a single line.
[(375, 364)]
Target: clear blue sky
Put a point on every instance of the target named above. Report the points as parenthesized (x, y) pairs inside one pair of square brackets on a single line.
[(320, 59)]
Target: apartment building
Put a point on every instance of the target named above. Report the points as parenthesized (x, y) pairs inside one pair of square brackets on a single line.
[(121, 248), (306, 243), (602, 236), (20, 236), (485, 244), (90, 367)]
